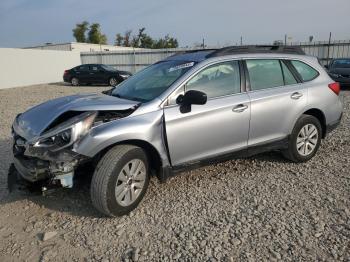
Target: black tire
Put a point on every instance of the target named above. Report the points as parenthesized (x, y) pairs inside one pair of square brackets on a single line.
[(113, 81), (74, 81), (292, 152), (105, 178)]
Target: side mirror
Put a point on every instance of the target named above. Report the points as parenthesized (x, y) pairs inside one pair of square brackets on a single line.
[(326, 66), (192, 97)]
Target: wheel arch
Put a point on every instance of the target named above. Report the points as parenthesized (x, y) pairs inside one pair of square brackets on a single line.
[(315, 112), (155, 161), (117, 77)]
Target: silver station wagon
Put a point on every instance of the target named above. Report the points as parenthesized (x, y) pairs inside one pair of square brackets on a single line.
[(190, 109)]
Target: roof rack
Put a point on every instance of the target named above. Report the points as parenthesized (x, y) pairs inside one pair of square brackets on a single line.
[(231, 50), (191, 51)]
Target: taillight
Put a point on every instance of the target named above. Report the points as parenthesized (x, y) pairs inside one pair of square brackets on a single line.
[(335, 87), (65, 72)]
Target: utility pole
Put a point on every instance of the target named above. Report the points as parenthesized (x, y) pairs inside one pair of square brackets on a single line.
[(241, 40), (203, 44), (285, 39), (329, 46)]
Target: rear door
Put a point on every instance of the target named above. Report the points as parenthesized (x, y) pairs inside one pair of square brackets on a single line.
[(82, 73), (277, 99), (218, 127)]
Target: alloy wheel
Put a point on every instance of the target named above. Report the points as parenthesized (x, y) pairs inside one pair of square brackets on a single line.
[(75, 81), (130, 182), (113, 82), (307, 139)]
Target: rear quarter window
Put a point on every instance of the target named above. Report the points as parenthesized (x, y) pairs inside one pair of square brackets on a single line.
[(82, 68), (306, 72)]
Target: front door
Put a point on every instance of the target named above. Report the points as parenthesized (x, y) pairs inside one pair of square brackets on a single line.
[(96, 74), (218, 127)]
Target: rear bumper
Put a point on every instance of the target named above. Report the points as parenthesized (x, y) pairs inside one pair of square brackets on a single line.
[(66, 78), (331, 126)]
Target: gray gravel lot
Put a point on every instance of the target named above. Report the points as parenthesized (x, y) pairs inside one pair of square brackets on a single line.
[(261, 208)]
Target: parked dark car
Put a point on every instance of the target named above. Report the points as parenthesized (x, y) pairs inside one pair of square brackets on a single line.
[(339, 70), (94, 74)]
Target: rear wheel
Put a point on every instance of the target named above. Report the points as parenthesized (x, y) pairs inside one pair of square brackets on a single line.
[(304, 140), (74, 81), (120, 180)]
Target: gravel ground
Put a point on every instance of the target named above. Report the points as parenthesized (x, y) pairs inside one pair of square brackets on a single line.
[(261, 208)]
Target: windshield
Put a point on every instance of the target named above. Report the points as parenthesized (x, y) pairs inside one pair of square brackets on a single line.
[(109, 68), (152, 81), (341, 63)]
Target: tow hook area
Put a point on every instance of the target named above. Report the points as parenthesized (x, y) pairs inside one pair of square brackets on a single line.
[(16, 182), (60, 181), (66, 180)]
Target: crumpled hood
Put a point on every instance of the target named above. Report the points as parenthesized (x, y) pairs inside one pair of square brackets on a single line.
[(35, 120)]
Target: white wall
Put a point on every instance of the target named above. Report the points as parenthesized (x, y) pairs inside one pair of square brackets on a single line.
[(82, 47), (21, 67)]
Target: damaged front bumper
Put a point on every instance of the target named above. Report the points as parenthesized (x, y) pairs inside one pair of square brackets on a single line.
[(50, 169)]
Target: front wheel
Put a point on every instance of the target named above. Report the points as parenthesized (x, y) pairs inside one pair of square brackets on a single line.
[(304, 140), (120, 180), (113, 81)]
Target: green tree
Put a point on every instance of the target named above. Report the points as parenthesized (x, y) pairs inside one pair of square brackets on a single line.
[(95, 35), (79, 32), (166, 42), (127, 38), (143, 40), (118, 40)]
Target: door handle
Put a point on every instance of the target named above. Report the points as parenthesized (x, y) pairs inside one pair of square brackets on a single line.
[(296, 95), (240, 108)]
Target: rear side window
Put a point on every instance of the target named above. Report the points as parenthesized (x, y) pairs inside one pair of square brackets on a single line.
[(341, 63), (306, 72), (94, 68), (217, 80), (264, 73), (83, 68), (288, 76)]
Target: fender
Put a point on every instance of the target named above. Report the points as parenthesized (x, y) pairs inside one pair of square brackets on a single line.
[(144, 127)]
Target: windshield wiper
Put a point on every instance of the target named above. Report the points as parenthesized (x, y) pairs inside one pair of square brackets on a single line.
[(130, 98)]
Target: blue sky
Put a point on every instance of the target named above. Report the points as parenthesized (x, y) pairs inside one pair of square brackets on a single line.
[(33, 22)]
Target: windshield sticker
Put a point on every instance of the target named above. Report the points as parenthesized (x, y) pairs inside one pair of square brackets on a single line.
[(178, 67)]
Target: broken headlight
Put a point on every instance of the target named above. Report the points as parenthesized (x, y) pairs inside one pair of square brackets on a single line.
[(67, 133)]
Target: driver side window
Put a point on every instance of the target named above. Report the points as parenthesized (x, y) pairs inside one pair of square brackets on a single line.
[(217, 80)]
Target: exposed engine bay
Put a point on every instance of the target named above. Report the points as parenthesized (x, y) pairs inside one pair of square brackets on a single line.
[(49, 155)]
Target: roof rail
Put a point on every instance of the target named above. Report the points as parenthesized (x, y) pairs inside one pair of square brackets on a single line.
[(191, 51), (231, 50)]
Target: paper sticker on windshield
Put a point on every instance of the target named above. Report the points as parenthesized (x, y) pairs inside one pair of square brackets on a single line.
[(178, 67)]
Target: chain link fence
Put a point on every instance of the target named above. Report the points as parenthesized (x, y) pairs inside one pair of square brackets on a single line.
[(137, 59)]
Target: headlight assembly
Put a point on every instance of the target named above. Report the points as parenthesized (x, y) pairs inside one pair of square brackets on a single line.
[(67, 133), (125, 76)]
